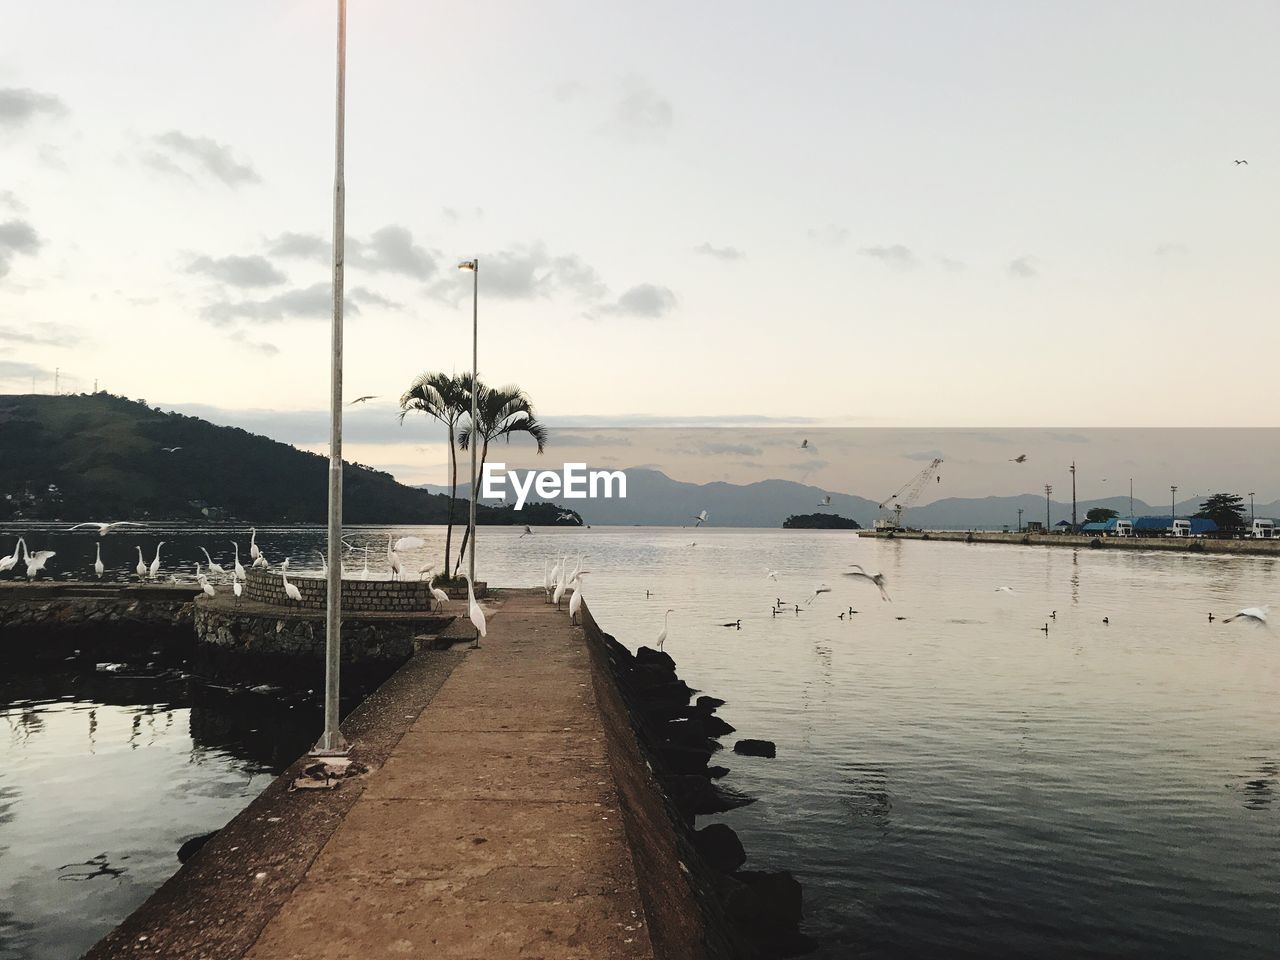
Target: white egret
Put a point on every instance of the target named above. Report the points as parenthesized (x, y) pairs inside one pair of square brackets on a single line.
[(284, 566), (98, 567), (426, 570), (575, 601), (546, 577), (818, 591), (700, 518), (662, 635), (474, 613), (440, 596), (1004, 589), (562, 583), (254, 552), (409, 543), (141, 568), (213, 567), (237, 572), (877, 579), (35, 561), (237, 588), (260, 561), (1254, 615), (205, 585), (290, 590), (324, 566), (155, 564), (9, 562), (825, 501), (105, 528)]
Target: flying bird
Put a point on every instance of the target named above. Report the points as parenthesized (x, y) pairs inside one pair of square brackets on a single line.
[(362, 399), (1020, 458), (1238, 162), (876, 578), (1004, 589), (410, 543), (35, 561), (825, 501), (819, 589), (105, 528), (527, 532), (1254, 615), (565, 515), (699, 518), (170, 449)]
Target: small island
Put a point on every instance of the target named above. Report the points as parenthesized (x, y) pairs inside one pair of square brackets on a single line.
[(819, 521)]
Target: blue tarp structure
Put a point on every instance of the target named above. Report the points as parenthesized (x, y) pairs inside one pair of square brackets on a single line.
[(1162, 525)]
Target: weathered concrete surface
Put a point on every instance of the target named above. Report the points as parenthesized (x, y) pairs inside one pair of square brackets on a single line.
[(493, 829), (1168, 544)]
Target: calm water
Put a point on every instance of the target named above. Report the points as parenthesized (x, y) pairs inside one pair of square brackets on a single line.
[(953, 783)]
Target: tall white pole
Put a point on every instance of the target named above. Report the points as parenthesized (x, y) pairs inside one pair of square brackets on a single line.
[(475, 429), (331, 740)]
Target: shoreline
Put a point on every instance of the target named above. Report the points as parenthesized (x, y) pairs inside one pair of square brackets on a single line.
[(1190, 545)]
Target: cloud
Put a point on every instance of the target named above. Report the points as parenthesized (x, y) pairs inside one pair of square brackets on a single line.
[(714, 448), (302, 303), (1171, 249), (389, 249), (266, 349), (237, 271), (923, 455), (1023, 267), (179, 152), (895, 255), (645, 300), (526, 272), (455, 215), (950, 264), (16, 237), (18, 105), (641, 113), (18, 370), (720, 253), (41, 334), (830, 235), (10, 200)]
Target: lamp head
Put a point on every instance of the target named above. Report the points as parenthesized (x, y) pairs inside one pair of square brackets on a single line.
[(467, 265)]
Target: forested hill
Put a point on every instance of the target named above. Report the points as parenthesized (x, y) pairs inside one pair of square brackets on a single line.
[(101, 457)]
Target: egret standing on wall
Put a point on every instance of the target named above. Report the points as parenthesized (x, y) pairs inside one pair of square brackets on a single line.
[(474, 613)]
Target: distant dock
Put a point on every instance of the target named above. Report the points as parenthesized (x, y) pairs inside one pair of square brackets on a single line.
[(1269, 548)]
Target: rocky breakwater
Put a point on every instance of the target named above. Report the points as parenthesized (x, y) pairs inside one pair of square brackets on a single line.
[(748, 914), (51, 622)]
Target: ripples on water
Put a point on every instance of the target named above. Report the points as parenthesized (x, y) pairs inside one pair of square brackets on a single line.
[(955, 783)]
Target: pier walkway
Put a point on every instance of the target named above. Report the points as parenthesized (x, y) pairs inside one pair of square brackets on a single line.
[(491, 829)]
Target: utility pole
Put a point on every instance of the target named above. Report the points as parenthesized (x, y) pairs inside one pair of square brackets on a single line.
[(1251, 516), (1173, 505), (1019, 519), (1073, 496), (1048, 489)]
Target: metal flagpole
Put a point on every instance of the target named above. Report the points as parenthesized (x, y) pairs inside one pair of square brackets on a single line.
[(331, 741)]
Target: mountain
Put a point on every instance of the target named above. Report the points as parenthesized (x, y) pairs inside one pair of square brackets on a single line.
[(654, 499), (101, 457)]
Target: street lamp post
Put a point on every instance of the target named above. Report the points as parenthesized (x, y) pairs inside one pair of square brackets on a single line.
[(1251, 516), (1048, 489), (1019, 519), (1073, 496), (331, 741), (1173, 506), (474, 266)]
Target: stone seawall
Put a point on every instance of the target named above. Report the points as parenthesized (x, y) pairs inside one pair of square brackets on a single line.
[(256, 641), (48, 622), (358, 596)]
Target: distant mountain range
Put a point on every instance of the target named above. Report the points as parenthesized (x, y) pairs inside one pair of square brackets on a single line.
[(654, 499)]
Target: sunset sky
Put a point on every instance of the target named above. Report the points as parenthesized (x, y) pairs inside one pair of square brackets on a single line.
[(916, 214)]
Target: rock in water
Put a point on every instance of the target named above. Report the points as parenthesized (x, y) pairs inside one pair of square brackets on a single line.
[(756, 748), (720, 847)]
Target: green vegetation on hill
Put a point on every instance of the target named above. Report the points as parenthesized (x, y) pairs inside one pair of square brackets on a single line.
[(101, 457), (819, 521)]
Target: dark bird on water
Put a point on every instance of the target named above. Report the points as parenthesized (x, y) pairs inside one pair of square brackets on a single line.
[(1211, 618), (736, 624), (1045, 628), (1053, 615), (1020, 458), (1106, 619)]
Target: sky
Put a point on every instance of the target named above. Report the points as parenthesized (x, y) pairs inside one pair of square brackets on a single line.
[(908, 214)]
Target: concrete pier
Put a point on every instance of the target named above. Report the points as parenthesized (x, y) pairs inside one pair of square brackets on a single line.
[(1167, 544), (491, 823)]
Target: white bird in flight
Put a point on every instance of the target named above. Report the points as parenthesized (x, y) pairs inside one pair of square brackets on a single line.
[(817, 591), (876, 578), (1255, 615), (1004, 589), (362, 399), (825, 501), (700, 518), (105, 528), (170, 449)]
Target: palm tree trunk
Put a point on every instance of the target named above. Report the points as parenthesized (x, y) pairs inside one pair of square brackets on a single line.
[(475, 494), (453, 495)]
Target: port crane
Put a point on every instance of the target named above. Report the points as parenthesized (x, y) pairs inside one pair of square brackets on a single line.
[(905, 496)]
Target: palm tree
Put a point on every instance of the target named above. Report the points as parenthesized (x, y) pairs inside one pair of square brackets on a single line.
[(502, 413), (445, 398)]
